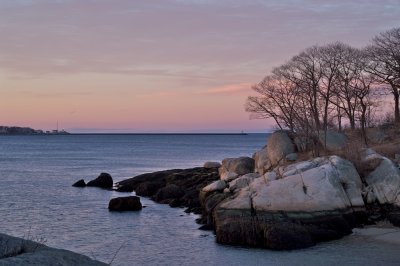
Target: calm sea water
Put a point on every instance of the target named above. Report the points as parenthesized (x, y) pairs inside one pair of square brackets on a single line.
[(36, 174)]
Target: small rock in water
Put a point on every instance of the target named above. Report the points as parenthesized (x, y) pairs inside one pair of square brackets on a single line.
[(104, 180), (131, 203), (79, 183)]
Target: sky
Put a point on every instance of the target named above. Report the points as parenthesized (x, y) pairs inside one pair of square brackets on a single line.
[(161, 65)]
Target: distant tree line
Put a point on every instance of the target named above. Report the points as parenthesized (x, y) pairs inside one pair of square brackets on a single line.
[(326, 87)]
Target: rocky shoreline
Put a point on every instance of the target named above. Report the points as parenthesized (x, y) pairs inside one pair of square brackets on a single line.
[(277, 202)]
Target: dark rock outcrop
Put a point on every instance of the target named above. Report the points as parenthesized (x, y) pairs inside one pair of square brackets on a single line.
[(168, 193), (104, 180), (177, 187), (79, 183), (131, 203), (126, 188)]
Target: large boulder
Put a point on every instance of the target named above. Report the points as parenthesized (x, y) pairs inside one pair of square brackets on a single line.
[(239, 166), (317, 200), (131, 203), (384, 179), (262, 163), (334, 140), (279, 145), (104, 180)]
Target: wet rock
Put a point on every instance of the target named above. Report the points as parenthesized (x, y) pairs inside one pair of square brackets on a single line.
[(104, 180), (79, 183), (148, 189), (171, 191), (131, 203), (287, 236), (125, 188), (184, 192)]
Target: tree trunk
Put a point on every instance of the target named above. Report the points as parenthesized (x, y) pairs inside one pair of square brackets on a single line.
[(396, 106), (364, 122)]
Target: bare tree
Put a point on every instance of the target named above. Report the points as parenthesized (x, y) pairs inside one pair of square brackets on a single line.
[(277, 99), (384, 54)]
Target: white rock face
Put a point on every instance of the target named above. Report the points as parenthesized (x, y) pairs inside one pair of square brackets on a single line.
[(214, 186), (228, 176), (270, 176), (279, 145), (262, 163), (321, 184), (384, 181), (243, 181)]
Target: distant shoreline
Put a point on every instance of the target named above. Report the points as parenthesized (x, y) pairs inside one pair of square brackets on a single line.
[(207, 134)]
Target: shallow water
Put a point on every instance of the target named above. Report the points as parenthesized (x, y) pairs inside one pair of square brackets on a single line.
[(37, 199)]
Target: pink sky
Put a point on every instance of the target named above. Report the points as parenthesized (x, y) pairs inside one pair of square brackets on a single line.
[(160, 65)]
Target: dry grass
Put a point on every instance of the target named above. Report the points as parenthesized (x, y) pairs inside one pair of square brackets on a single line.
[(388, 149)]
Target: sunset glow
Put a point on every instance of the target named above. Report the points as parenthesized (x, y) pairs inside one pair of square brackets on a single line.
[(160, 66)]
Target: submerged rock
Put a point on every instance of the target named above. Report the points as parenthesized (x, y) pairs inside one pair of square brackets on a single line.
[(79, 183), (104, 180), (131, 203)]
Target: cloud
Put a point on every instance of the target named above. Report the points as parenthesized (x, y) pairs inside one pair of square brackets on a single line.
[(228, 89)]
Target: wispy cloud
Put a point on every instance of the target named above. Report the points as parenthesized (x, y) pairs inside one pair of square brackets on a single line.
[(229, 89)]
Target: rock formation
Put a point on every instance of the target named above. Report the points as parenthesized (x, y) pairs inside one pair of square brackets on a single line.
[(308, 202), (285, 206), (104, 180), (177, 187)]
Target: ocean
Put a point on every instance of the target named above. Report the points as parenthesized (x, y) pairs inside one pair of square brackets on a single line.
[(38, 201)]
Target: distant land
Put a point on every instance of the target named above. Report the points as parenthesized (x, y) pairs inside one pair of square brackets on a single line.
[(5, 130)]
